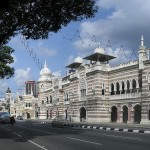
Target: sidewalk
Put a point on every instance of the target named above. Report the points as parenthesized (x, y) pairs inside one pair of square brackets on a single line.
[(125, 127)]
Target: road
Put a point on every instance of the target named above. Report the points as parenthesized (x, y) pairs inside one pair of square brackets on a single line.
[(27, 136)]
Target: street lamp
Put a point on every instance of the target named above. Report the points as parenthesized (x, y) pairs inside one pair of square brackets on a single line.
[(8, 97)]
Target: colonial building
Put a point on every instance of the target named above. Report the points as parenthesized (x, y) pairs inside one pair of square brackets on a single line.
[(50, 99), (22, 105), (97, 92)]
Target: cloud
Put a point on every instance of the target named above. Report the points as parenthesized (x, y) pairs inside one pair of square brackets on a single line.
[(44, 51), (21, 76), (123, 25), (15, 61)]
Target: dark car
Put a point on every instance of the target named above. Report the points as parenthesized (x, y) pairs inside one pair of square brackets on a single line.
[(58, 121), (5, 118), (19, 118)]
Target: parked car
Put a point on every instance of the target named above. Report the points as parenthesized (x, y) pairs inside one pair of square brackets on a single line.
[(58, 120), (19, 118), (5, 118)]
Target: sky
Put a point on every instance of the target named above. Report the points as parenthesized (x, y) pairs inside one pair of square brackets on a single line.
[(117, 27)]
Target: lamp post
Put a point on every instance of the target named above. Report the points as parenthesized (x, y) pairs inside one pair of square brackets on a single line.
[(8, 97)]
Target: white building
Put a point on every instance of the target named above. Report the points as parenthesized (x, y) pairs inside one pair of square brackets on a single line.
[(97, 92)]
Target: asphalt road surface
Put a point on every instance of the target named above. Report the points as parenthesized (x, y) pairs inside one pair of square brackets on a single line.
[(27, 136)]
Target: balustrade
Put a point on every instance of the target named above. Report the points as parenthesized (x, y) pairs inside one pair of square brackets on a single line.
[(126, 95)]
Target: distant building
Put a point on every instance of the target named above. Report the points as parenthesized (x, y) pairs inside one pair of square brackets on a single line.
[(30, 86)]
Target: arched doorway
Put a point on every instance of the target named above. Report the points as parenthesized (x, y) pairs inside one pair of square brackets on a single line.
[(149, 114), (28, 115), (114, 114), (51, 114), (82, 114), (137, 113), (66, 114), (125, 114), (47, 114), (37, 114)]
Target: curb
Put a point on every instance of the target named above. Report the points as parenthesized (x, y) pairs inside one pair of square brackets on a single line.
[(105, 128), (95, 127)]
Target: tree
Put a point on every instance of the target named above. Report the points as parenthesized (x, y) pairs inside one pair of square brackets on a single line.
[(36, 18), (6, 59)]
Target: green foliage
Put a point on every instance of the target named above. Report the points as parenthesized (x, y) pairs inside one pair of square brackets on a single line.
[(5, 60), (36, 18)]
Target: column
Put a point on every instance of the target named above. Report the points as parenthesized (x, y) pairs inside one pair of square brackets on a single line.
[(129, 114), (118, 114)]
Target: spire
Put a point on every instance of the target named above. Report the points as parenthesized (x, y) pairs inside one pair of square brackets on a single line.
[(45, 65), (142, 40), (99, 45)]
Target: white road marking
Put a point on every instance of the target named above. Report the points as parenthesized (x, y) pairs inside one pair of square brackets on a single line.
[(88, 127), (101, 128), (84, 141), (123, 137), (147, 132), (17, 134), (108, 128), (42, 147), (94, 127), (136, 131), (125, 130)]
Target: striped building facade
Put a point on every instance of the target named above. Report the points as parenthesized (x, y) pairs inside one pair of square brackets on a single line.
[(97, 92)]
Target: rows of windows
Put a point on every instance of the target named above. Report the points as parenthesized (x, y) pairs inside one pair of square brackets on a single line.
[(28, 104), (115, 88), (49, 100), (122, 87)]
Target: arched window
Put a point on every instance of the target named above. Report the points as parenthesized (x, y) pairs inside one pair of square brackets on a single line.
[(103, 89), (112, 89), (42, 86), (117, 88), (123, 86), (66, 96), (128, 86), (42, 102), (134, 86), (47, 100), (50, 99), (83, 88)]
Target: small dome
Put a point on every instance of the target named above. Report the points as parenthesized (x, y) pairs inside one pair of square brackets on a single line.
[(45, 73), (78, 60), (8, 91), (99, 50)]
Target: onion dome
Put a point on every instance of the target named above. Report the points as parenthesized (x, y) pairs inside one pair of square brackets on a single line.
[(78, 60), (8, 90), (45, 73), (99, 50)]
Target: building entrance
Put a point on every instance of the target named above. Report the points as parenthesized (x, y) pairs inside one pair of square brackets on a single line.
[(82, 114), (114, 114), (137, 114), (125, 114), (28, 115), (47, 115)]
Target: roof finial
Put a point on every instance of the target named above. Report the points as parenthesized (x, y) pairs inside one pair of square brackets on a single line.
[(45, 65), (142, 40), (99, 45)]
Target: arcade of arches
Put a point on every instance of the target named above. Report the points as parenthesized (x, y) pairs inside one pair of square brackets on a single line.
[(126, 114)]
